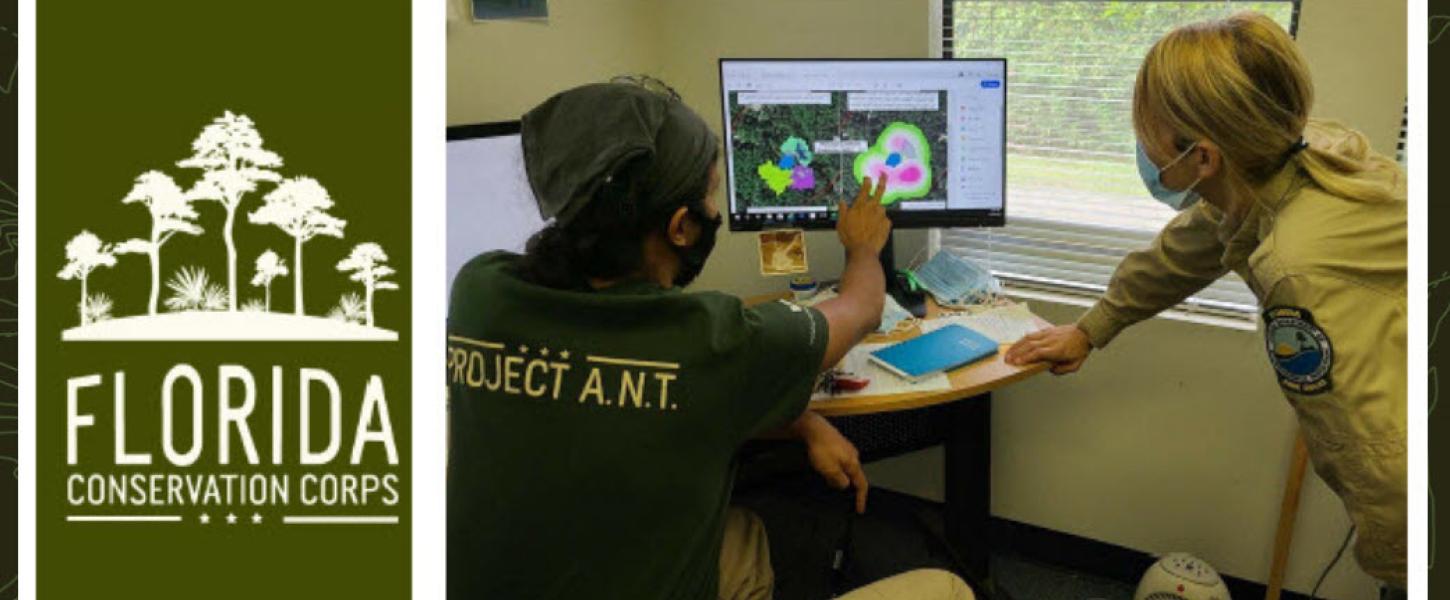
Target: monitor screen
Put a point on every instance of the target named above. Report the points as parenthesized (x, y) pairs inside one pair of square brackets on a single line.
[(490, 204), (801, 134)]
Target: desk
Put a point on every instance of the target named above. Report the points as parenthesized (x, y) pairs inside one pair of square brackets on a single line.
[(966, 439)]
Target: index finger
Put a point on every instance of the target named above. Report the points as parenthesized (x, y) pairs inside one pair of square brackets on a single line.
[(880, 191), (858, 479), (863, 193), (1034, 336), (1030, 356), (1018, 348)]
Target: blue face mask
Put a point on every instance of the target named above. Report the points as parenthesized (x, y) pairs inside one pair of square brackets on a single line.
[(1152, 177)]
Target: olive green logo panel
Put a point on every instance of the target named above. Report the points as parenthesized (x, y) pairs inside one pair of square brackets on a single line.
[(223, 298)]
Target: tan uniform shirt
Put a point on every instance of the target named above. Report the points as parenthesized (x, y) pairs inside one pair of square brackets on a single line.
[(1329, 274)]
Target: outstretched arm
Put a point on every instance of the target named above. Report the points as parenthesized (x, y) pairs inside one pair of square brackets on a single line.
[(863, 229)]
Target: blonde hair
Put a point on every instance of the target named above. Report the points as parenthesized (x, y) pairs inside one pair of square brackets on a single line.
[(1241, 82)]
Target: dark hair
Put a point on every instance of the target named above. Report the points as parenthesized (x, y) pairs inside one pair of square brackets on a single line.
[(605, 240)]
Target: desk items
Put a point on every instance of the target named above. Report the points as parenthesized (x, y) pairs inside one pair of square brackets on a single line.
[(880, 382), (1003, 324), (955, 281), (934, 353), (803, 287)]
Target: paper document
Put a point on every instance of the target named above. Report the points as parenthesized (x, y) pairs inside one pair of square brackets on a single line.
[(883, 382), (1004, 324)]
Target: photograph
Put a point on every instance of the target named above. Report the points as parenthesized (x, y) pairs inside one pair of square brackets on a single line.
[(1105, 299)]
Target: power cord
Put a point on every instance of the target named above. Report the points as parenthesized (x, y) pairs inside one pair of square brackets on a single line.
[(1337, 555)]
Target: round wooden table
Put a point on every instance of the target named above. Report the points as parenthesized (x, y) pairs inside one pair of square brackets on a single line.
[(971, 380)]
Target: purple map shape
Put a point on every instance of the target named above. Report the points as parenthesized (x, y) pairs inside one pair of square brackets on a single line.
[(803, 178)]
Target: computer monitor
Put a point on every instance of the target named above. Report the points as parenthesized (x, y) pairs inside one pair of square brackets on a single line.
[(801, 134), (490, 203)]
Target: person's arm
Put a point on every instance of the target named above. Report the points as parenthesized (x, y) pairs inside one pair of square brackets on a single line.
[(863, 229), (830, 453), (1185, 257)]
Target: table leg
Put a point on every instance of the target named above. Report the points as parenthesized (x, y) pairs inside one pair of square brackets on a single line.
[(969, 486)]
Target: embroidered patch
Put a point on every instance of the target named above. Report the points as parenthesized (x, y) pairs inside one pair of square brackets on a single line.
[(1300, 351)]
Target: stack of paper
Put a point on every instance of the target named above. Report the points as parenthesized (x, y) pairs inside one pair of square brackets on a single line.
[(1004, 324)]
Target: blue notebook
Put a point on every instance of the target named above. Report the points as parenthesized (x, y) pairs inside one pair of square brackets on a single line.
[(941, 350)]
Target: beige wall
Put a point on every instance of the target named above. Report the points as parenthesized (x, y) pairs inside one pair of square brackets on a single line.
[(1176, 438), (1357, 52), (497, 70)]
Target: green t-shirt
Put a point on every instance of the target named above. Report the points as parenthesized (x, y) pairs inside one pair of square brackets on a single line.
[(592, 433)]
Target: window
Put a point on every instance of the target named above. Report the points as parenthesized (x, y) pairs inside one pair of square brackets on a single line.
[(1075, 202)]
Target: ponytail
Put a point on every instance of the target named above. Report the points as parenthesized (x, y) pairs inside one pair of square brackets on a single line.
[(1338, 160)]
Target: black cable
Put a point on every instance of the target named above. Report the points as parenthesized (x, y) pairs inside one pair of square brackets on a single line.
[(1315, 592)]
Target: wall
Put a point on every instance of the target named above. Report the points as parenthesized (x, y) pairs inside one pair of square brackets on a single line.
[(1357, 52), (1175, 438), (497, 70)]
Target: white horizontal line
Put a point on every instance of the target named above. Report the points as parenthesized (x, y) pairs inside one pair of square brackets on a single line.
[(633, 363), (124, 518), (365, 520), (481, 343)]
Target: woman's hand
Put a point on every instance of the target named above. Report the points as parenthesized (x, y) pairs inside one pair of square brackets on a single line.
[(833, 456), (1065, 346)]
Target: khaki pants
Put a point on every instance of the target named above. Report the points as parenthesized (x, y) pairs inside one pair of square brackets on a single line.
[(745, 572)]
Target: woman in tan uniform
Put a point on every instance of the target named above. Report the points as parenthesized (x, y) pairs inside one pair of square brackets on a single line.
[(1314, 222)]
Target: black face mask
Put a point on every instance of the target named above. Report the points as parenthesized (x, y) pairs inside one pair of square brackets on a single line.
[(692, 258)]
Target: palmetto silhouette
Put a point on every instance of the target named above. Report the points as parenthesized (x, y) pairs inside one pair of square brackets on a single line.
[(299, 207), (171, 213), (367, 260), (269, 266), (229, 152), (85, 253), (98, 307), (193, 290), (349, 309)]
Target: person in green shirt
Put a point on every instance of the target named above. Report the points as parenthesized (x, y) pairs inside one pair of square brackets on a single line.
[(595, 409)]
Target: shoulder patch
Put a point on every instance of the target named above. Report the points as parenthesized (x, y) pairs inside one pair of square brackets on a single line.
[(1299, 350)]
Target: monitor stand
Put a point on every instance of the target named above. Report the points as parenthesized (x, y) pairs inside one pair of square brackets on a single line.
[(897, 284)]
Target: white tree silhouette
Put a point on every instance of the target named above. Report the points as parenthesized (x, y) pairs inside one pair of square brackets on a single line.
[(367, 260), (299, 207), (85, 253), (171, 213), (230, 154), (269, 266)]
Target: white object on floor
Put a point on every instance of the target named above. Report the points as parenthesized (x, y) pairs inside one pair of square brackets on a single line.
[(1180, 576), (883, 382)]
